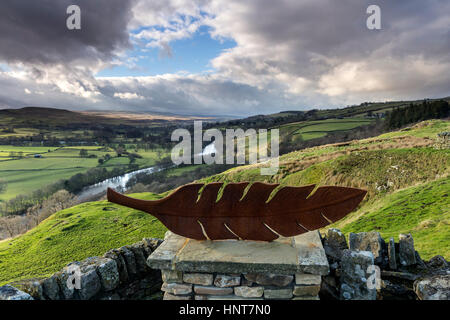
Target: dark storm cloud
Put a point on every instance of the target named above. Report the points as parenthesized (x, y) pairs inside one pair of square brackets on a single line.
[(290, 54), (298, 31), (36, 32)]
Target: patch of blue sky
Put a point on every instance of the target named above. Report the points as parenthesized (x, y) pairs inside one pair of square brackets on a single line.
[(4, 67), (191, 55)]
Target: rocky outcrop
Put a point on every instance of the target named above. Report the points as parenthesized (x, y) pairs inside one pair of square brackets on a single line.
[(372, 269)]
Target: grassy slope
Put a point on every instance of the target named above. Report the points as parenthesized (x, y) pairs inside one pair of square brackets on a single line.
[(74, 234), (413, 198), (423, 210), (307, 130)]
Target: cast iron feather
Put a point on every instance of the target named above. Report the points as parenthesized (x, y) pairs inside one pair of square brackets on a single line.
[(291, 211)]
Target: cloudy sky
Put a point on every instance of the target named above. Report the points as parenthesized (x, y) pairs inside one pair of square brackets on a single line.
[(221, 57)]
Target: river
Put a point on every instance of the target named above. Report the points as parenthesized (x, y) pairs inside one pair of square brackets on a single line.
[(97, 190), (118, 183)]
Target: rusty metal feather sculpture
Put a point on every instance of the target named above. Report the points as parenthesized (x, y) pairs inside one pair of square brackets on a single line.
[(291, 211)]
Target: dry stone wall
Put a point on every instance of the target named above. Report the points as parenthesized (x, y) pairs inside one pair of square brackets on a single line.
[(248, 286), (120, 274), (368, 268), (328, 268)]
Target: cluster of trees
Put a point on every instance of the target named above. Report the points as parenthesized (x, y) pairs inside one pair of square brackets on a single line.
[(165, 180), (102, 134), (157, 136), (20, 204), (11, 226), (133, 156), (400, 117), (85, 154), (94, 175), (104, 159)]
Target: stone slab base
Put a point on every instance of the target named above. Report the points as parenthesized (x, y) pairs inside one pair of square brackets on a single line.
[(288, 268)]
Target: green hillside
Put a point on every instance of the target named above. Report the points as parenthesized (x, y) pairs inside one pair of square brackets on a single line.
[(307, 130), (74, 234), (423, 210), (405, 175)]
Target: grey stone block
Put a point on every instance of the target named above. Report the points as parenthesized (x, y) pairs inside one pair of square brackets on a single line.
[(130, 260), (169, 296), (205, 279), (354, 276), (177, 288), (312, 290), (34, 289), (209, 290), (171, 276), (334, 243), (164, 256), (121, 264), (270, 279), (307, 279), (90, 283), (433, 288), (392, 254), (8, 292), (225, 281), (311, 256), (51, 288), (108, 272), (278, 293), (141, 261), (406, 253), (249, 292), (368, 241)]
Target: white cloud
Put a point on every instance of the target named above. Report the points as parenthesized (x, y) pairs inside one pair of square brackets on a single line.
[(128, 96), (288, 55)]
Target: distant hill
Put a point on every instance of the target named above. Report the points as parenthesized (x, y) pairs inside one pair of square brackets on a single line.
[(34, 116), (369, 109)]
